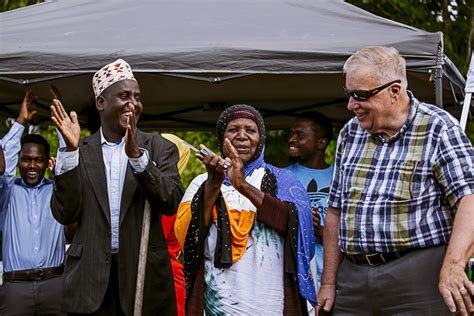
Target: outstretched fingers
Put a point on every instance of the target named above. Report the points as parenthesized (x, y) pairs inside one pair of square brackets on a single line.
[(52, 164), (58, 111), (25, 115), (28, 97), (74, 118), (62, 111), (68, 125)]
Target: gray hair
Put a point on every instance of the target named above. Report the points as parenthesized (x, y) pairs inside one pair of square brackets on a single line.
[(386, 64)]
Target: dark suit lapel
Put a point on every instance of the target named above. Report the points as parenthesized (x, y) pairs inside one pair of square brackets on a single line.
[(130, 184), (91, 155)]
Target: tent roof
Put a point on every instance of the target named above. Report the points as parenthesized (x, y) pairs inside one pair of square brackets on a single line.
[(192, 58)]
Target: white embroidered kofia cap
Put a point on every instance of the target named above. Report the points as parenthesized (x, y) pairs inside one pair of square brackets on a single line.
[(110, 74)]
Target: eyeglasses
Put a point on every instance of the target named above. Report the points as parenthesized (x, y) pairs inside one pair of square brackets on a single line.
[(364, 95)]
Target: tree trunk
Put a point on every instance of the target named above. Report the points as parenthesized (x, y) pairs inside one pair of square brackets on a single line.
[(446, 19)]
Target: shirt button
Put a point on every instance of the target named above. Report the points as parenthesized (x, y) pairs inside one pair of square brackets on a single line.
[(107, 261)]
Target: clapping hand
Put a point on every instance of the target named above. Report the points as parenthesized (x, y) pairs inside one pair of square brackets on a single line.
[(25, 114), (52, 164), (236, 170), (131, 144)]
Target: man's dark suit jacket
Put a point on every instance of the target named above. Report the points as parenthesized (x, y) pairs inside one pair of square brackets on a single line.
[(80, 196)]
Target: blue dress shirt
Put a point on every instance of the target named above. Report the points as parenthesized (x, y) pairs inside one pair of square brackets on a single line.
[(32, 238)]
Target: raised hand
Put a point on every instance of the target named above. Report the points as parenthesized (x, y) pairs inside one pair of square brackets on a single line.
[(236, 170), (55, 92), (68, 125), (131, 144), (52, 164), (25, 114)]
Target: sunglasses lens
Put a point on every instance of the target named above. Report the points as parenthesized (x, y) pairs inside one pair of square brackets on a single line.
[(360, 95)]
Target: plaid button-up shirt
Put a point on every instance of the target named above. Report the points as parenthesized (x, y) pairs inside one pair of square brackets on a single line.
[(401, 192)]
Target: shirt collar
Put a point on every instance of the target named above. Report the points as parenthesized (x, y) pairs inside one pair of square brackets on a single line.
[(414, 103), (43, 182), (106, 142)]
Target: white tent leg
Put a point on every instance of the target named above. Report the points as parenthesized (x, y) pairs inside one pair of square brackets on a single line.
[(468, 89), (465, 111)]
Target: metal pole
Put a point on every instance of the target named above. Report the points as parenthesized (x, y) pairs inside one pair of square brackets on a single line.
[(438, 79), (137, 310)]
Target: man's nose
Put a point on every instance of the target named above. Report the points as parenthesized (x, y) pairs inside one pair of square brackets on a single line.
[(291, 138), (352, 104)]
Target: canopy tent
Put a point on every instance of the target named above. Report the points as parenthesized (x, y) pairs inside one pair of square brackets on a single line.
[(193, 58)]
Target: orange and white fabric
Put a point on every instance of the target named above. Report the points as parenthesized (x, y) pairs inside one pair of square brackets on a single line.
[(254, 281), (110, 74)]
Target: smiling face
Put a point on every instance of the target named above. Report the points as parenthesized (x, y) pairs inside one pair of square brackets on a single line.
[(115, 105), (33, 163), (377, 113), (304, 140), (244, 136)]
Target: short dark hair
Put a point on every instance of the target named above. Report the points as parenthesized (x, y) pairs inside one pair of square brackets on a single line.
[(36, 139), (320, 121)]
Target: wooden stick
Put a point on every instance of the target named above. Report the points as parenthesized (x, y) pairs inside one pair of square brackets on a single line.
[(137, 311)]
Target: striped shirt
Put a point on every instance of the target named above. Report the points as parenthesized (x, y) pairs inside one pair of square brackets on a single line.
[(402, 192)]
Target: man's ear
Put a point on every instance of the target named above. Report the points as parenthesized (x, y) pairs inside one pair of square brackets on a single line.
[(99, 103), (322, 143), (395, 91)]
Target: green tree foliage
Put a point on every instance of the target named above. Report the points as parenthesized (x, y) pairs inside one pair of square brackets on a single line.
[(195, 166), (452, 17), (13, 4)]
